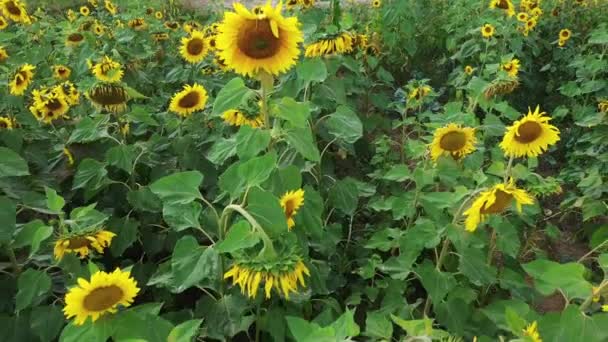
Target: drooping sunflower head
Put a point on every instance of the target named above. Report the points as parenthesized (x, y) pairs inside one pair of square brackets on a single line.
[(107, 70), (110, 7), (511, 67), (235, 117), (602, 106), (342, 43), (61, 72), (138, 24), (189, 100), (99, 296), (111, 97), (500, 87), (419, 93), (3, 54), (3, 23), (495, 201), (291, 202), (259, 40), (14, 10), (505, 5), (74, 39), (84, 10), (487, 31), (83, 244), (171, 25), (6, 123), (469, 70), (285, 275), (530, 136), (453, 140), (21, 79), (194, 48)]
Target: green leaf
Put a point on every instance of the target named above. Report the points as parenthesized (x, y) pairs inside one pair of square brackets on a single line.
[(222, 150), (378, 326), (345, 125), (296, 113), (178, 188), (232, 95), (230, 181), (514, 321), (312, 70), (32, 234), (122, 156), (8, 217), (225, 317), (436, 283), (11, 164), (145, 200), (344, 195), (496, 311), (90, 175), (266, 209), (417, 327), (99, 331), (473, 265), (302, 141), (257, 170), (133, 325), (182, 216), (550, 276), (251, 141), (126, 234), (33, 286), (398, 173), (185, 332), (345, 326), (141, 114), (192, 263), (86, 218), (53, 201), (240, 236), (46, 322), (304, 331), (88, 130)]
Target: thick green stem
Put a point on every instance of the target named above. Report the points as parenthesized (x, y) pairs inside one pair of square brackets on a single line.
[(268, 246), (267, 82), (508, 170)]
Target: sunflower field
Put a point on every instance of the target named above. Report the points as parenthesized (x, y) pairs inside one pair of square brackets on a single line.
[(300, 170)]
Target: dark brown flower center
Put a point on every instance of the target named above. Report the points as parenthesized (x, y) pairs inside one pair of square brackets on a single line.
[(109, 95), (191, 99), (20, 78), (502, 202), (195, 46), (54, 105), (488, 29), (12, 8), (565, 34), (103, 298), (3, 124), (289, 208), (453, 141), (503, 4), (528, 132), (75, 37), (257, 41), (78, 242)]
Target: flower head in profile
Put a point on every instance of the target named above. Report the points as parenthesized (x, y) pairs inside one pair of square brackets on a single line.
[(112, 97), (530, 136), (531, 331), (83, 244), (15, 11), (343, 43), (61, 72), (291, 202), (235, 117)]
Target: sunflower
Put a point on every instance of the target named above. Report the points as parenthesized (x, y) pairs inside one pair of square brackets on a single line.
[(341, 44), (69, 156), (605, 308), (376, 3), (14, 10), (291, 201), (138, 24), (511, 67), (531, 331), (529, 26), (237, 118), (83, 244), (158, 15), (194, 48), (419, 93), (3, 54), (111, 97), (469, 70), (69, 91), (110, 7), (565, 34), (84, 10), (307, 3), (48, 105), (284, 277), (453, 140), (61, 72), (522, 17), (192, 26), (71, 15), (500, 87), (495, 201), (291, 3), (191, 99), (487, 31), (149, 10), (93, 3), (530, 136), (505, 5), (160, 36), (3, 23), (99, 29), (6, 123), (536, 12), (99, 296), (602, 106), (22, 79), (250, 42), (107, 70), (171, 25)]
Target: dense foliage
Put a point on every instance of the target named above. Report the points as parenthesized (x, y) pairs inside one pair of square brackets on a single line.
[(381, 170)]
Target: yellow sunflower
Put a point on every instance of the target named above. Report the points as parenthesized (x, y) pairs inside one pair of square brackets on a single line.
[(74, 39), (511, 67), (531, 331), (192, 26), (290, 4), (536, 12), (495, 201), (71, 15), (158, 15), (487, 31), (99, 29), (14, 10), (48, 105), (602, 106), (3, 23), (107, 70), (22, 79), (376, 3), (522, 17), (469, 70), (191, 99), (505, 5), (83, 244), (69, 91), (61, 72), (99, 296), (291, 202), (171, 25), (341, 44), (530, 136), (283, 278), (194, 48), (6, 123), (237, 118), (138, 24), (262, 40), (93, 3), (307, 3), (565, 34), (529, 26), (69, 156), (453, 140), (111, 97), (419, 93), (110, 7), (3, 54), (84, 10)]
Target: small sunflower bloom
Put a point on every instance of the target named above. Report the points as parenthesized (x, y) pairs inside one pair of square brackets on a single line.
[(602, 106), (61, 72), (21, 80), (291, 202), (6, 123), (522, 17), (107, 70), (469, 70), (511, 67), (74, 39), (3, 54), (453, 140), (191, 99), (530, 136), (85, 11), (531, 331), (376, 3), (487, 31), (159, 15), (3, 23), (110, 7), (195, 48)]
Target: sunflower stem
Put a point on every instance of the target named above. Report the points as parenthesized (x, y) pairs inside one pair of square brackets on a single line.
[(267, 82), (268, 246), (11, 255), (508, 170)]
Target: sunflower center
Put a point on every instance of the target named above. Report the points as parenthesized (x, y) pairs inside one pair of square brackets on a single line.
[(453, 141), (12, 8), (503, 200), (53, 105), (78, 242), (103, 298), (75, 37), (195, 46), (289, 207), (3, 124), (257, 41), (528, 132), (109, 95), (20, 78), (488, 29), (565, 34), (503, 4), (191, 99)]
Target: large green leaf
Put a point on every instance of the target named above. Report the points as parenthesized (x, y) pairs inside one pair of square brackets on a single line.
[(178, 188), (53, 201), (88, 130), (185, 332), (296, 113), (302, 141), (232, 95), (436, 283), (239, 236), (122, 156), (90, 175), (11, 164), (33, 286), (550, 276), (312, 70), (8, 217), (266, 209), (257, 170), (46, 322), (182, 216), (473, 265), (32, 234), (344, 195), (345, 125), (251, 141), (192, 263)]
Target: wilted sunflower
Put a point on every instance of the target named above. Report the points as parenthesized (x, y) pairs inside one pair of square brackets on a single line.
[(262, 40), (110, 7), (531, 331), (341, 44), (505, 5), (3, 54), (237, 118), (511, 67), (469, 70), (453, 140), (530, 136), (138, 24), (48, 105), (3, 23), (6, 123), (112, 97), (107, 70), (495, 201), (84, 10), (500, 87), (99, 296), (158, 15), (22, 79), (14, 10), (191, 99), (285, 276), (61, 72), (83, 244), (522, 17), (171, 25), (291, 202), (194, 48), (487, 31)]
